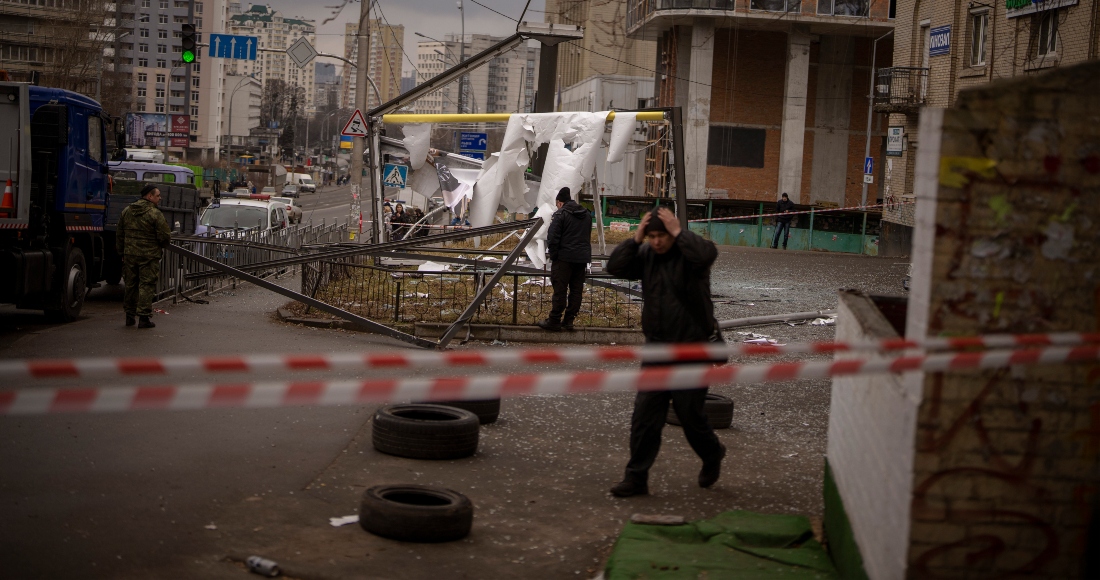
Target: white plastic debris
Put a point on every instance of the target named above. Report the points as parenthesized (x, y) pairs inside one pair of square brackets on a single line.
[(823, 321), (343, 521), (211, 526), (431, 266)]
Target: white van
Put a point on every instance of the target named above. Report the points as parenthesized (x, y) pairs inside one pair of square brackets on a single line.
[(245, 212), (303, 181), (146, 155)]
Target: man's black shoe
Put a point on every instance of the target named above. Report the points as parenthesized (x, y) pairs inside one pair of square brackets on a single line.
[(551, 325), (567, 325), (130, 320), (145, 322), (712, 470), (628, 487)]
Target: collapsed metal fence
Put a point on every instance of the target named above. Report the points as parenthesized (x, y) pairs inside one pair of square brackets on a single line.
[(239, 249), (364, 286)]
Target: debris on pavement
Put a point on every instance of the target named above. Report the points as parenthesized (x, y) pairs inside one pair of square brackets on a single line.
[(657, 520), (343, 521), (754, 338), (824, 321), (263, 566), (211, 526)]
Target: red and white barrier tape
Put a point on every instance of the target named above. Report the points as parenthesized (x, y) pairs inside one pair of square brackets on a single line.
[(345, 392), (173, 365), (794, 213)]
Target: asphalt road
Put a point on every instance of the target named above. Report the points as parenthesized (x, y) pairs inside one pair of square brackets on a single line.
[(190, 494)]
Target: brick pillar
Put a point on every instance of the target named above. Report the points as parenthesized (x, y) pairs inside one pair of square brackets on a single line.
[(794, 114)]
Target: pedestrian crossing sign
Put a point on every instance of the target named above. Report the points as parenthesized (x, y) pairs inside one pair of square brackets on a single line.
[(395, 175)]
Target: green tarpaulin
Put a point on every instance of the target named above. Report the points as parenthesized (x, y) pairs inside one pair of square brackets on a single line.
[(734, 544)]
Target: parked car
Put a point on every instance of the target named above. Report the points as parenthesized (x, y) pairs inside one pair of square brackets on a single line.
[(291, 191), (293, 211)]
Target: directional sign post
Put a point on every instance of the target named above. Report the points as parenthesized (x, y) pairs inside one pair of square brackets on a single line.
[(356, 125), (473, 141), (395, 175), (233, 46)]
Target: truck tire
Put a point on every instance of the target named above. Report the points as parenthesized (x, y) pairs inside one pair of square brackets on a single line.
[(416, 513), (73, 282), (422, 431), (487, 410), (719, 412)]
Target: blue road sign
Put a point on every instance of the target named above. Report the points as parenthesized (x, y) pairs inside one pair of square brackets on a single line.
[(233, 46), (395, 175), (939, 40), (868, 165), (473, 141), (473, 154)]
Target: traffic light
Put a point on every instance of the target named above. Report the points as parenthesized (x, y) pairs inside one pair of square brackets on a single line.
[(189, 44)]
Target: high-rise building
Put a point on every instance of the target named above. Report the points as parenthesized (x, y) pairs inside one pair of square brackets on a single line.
[(386, 54), (324, 72), (277, 33), (505, 85), (56, 41), (208, 98)]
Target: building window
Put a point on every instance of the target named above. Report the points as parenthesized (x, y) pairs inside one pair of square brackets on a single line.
[(198, 23), (177, 49), (141, 91), (144, 3), (194, 111), (198, 7), (177, 94), (143, 18), (843, 7), (160, 93), (158, 108), (142, 77), (979, 23), (143, 62), (162, 34), (164, 4), (195, 68), (1047, 32), (736, 147), (140, 107), (161, 49), (195, 81), (144, 33), (177, 79), (194, 124), (176, 108), (194, 95), (162, 18), (161, 63), (160, 78), (142, 47)]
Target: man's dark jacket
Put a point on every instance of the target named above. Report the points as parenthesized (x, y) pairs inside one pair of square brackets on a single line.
[(784, 205), (675, 287), (570, 235)]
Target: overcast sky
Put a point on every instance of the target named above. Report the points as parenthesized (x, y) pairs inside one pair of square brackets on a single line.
[(431, 17)]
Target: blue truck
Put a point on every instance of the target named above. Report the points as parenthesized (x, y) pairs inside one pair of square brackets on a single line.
[(53, 168)]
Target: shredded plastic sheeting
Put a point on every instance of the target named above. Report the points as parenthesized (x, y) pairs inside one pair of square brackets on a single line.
[(734, 544), (417, 139)]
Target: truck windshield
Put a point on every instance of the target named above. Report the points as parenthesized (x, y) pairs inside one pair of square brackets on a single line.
[(307, 180), (228, 216)]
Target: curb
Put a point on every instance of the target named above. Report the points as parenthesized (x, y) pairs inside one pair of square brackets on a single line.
[(489, 332)]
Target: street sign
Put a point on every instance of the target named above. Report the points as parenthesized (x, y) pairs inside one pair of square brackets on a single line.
[(395, 175), (473, 141), (868, 179), (895, 141), (473, 154), (868, 165), (356, 125), (233, 46), (939, 40), (301, 52)]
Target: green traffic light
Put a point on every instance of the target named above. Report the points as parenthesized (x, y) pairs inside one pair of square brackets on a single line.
[(188, 56)]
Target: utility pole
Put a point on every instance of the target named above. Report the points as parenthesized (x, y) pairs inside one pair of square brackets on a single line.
[(362, 58), (462, 58)]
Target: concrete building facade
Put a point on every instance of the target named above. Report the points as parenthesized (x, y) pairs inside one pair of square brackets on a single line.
[(44, 37), (943, 47), (774, 93), (276, 32), (385, 66), (241, 114), (208, 97), (505, 85)]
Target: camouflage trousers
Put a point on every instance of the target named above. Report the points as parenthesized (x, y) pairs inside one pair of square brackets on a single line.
[(140, 276)]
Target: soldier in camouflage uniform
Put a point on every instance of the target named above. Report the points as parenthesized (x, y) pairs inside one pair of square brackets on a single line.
[(142, 234)]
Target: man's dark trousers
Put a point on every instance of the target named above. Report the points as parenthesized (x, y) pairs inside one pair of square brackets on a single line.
[(648, 420), (782, 232), (566, 277)]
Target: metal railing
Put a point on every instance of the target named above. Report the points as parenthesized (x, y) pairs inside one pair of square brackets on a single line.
[(900, 88), (392, 295)]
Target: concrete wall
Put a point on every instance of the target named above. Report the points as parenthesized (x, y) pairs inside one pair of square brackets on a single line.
[(872, 422), (1006, 470), (832, 119)]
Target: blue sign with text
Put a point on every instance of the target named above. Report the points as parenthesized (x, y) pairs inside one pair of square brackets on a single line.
[(473, 154), (939, 40), (473, 141), (868, 165), (233, 46)]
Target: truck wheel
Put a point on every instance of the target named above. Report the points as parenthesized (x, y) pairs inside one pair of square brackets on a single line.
[(74, 286)]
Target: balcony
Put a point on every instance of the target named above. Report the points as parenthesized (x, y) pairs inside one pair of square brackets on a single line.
[(822, 16), (900, 89)]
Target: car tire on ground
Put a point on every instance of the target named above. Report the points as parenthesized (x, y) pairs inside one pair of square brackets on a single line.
[(719, 412), (487, 410), (416, 513), (423, 431)]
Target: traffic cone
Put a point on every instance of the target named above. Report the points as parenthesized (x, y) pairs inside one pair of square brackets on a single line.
[(7, 205)]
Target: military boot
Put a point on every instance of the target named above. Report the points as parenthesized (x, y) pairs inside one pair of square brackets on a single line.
[(145, 322)]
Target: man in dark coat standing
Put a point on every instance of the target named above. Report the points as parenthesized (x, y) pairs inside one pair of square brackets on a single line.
[(141, 235), (782, 222), (569, 244), (674, 267)]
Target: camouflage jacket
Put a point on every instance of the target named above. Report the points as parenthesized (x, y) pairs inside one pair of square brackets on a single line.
[(142, 231)]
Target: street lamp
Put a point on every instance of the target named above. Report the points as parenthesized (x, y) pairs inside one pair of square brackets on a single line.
[(229, 145)]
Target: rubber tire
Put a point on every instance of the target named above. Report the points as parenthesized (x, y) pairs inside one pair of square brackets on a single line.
[(73, 280), (448, 516), (487, 410), (719, 412), (423, 431)]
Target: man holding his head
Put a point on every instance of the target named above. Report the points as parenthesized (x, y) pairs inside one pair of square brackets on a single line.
[(142, 234), (569, 244), (674, 267)]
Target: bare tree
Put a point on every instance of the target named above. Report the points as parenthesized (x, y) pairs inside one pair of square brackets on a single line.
[(78, 36)]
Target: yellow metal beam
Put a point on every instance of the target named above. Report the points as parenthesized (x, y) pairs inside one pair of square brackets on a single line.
[(404, 119)]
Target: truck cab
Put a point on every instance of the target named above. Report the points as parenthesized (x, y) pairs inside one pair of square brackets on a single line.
[(53, 155)]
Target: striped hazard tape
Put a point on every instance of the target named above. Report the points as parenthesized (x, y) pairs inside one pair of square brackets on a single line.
[(123, 367), (351, 392)]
